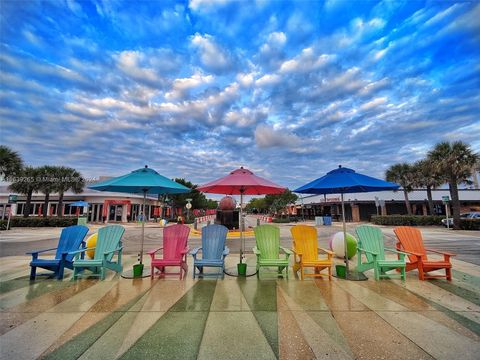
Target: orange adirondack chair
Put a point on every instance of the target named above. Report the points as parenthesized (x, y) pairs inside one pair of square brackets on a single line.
[(410, 241), (305, 248)]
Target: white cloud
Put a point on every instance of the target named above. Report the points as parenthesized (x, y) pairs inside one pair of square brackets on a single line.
[(129, 63), (306, 61), (212, 56), (277, 39), (181, 86), (267, 137), (246, 79), (268, 80), (373, 104), (205, 5)]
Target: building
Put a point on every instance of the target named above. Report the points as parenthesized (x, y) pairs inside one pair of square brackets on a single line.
[(361, 206), (103, 206)]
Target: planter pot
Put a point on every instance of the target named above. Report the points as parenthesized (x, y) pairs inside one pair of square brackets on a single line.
[(137, 270), (242, 269), (341, 271)]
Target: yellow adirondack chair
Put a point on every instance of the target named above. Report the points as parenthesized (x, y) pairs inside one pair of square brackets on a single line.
[(305, 248)]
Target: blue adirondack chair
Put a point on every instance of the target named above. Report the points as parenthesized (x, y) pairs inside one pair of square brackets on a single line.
[(213, 249), (71, 239), (109, 242)]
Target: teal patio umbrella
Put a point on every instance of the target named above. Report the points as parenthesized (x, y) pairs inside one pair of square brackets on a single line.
[(142, 181)]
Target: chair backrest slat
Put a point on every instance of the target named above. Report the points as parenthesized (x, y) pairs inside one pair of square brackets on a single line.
[(175, 239), (411, 240), (267, 238), (305, 241), (70, 240), (371, 239), (109, 238), (213, 241)]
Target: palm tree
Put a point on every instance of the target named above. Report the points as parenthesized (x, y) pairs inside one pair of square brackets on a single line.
[(67, 179), (456, 163), (426, 176), (402, 174), (11, 163), (26, 183), (47, 184)]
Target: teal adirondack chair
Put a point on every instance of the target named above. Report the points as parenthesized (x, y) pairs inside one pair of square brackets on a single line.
[(370, 243), (268, 248), (109, 242)]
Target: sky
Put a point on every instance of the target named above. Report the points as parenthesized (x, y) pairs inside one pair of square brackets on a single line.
[(198, 88)]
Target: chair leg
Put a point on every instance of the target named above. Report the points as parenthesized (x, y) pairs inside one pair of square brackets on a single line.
[(421, 274), (302, 270), (258, 272), (102, 273), (33, 272), (152, 270), (75, 275), (60, 273), (403, 276), (448, 272), (329, 273), (286, 271)]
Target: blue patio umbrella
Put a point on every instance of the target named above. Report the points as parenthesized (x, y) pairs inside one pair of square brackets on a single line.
[(142, 181), (344, 181)]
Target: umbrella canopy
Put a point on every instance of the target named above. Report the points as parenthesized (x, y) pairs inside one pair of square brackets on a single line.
[(79, 203), (343, 181), (241, 181), (141, 181), (144, 181)]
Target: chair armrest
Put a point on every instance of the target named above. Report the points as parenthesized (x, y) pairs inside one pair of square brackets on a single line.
[(440, 252), (185, 251), (296, 252), (39, 251), (286, 251), (112, 251), (396, 251), (195, 251), (80, 251), (151, 252), (256, 251), (226, 251), (367, 251), (326, 251)]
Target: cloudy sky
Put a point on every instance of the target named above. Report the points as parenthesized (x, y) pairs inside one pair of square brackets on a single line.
[(196, 89)]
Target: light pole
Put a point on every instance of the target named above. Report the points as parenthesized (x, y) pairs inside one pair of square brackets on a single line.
[(188, 206)]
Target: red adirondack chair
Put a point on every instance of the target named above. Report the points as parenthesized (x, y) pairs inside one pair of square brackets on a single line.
[(175, 250), (410, 241)]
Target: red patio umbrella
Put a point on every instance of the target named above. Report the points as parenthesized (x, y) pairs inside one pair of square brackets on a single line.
[(241, 182)]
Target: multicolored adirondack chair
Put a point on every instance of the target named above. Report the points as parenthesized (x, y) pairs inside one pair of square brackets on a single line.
[(71, 239), (268, 249), (109, 242), (410, 241), (305, 249), (175, 250), (370, 243), (213, 249)]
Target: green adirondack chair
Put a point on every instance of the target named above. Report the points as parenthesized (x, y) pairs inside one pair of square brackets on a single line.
[(370, 243), (268, 249), (109, 242)]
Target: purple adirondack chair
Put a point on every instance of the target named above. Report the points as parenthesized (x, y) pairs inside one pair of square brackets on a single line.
[(175, 251)]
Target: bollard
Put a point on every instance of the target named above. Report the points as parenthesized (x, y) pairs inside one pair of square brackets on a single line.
[(258, 222)]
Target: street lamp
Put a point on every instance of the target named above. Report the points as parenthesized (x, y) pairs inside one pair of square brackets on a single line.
[(188, 206)]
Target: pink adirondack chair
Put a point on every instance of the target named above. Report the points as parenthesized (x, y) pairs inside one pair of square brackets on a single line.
[(175, 251)]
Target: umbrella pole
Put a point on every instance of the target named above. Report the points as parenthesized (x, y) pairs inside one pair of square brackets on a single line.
[(345, 243), (143, 225), (241, 226)]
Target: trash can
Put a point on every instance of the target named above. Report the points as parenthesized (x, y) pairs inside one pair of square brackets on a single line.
[(82, 220), (318, 220), (327, 220), (269, 219)]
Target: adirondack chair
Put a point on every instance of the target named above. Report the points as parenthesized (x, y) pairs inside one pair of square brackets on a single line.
[(305, 249), (410, 241), (213, 250), (109, 242), (370, 243), (175, 250), (267, 238), (71, 239)]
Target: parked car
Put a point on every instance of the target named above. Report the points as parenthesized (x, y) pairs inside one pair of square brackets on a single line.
[(469, 215)]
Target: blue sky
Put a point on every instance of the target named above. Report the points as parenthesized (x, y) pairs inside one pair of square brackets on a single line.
[(198, 88)]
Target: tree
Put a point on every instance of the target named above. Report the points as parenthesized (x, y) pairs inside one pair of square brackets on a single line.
[(257, 204), (402, 174), (11, 163), (426, 176), (212, 204), (67, 179), (280, 201), (47, 183), (456, 163), (26, 183)]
